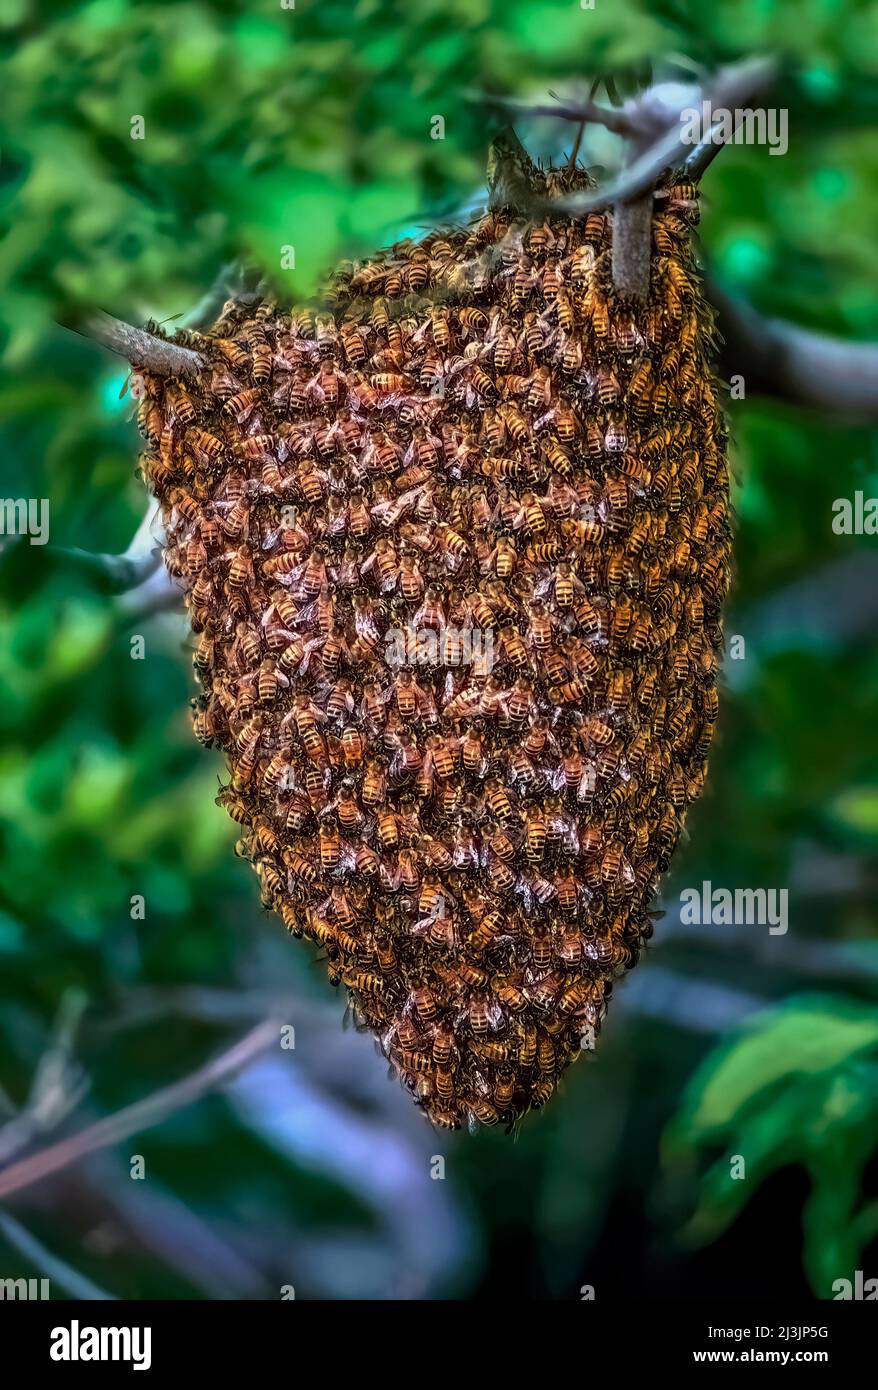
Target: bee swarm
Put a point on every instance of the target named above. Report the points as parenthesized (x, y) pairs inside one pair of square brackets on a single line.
[(455, 553)]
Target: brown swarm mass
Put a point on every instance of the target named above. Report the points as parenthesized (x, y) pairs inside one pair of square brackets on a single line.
[(454, 552)]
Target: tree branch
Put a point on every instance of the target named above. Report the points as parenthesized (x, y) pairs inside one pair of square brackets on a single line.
[(140, 348), (120, 574), (160, 593), (113, 574), (778, 358)]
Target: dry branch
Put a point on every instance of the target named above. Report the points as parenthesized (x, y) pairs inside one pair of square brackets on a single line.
[(142, 1114)]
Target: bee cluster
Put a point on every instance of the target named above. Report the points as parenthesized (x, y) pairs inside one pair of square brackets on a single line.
[(478, 434)]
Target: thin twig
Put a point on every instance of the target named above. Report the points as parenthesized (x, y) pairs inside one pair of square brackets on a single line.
[(142, 1114), (58, 1086), (616, 120), (730, 87), (574, 153)]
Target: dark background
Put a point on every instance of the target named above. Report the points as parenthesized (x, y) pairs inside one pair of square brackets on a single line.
[(310, 127)]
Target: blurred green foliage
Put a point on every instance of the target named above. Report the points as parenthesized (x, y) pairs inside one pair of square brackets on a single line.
[(797, 1084), (267, 127)]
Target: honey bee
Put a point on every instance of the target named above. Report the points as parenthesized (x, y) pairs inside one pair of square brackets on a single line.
[(330, 846), (150, 419), (639, 388), (504, 1092), (527, 1052), (495, 1052), (240, 569), (364, 982), (533, 335), (544, 994), (366, 860), (271, 881), (473, 976), (542, 1092), (558, 456), (565, 424), (180, 402), (472, 320), (233, 352), (540, 239), (347, 809), (260, 369), (547, 1058), (498, 799), (256, 446), (482, 1015), (423, 1003), (202, 725), (504, 346), (564, 585), (242, 404), (300, 867), (597, 310), (535, 835), (388, 829), (352, 344), (207, 446), (374, 784), (306, 727), (270, 681), (564, 312), (290, 916), (571, 355), (482, 383), (413, 1061), (488, 928), (583, 262), (515, 423), (509, 993)]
